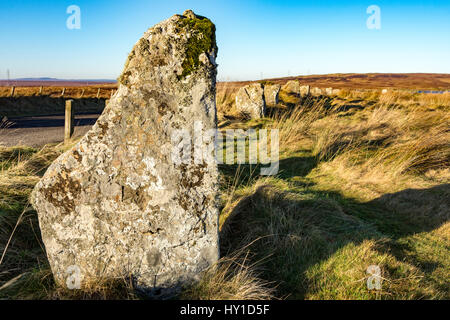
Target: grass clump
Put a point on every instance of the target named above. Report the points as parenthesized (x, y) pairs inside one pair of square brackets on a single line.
[(231, 278)]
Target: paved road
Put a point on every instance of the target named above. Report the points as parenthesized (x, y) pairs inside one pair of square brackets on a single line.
[(38, 131)]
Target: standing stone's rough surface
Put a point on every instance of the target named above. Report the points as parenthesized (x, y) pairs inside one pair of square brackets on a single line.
[(250, 100), (116, 204), (292, 86), (304, 90), (271, 92)]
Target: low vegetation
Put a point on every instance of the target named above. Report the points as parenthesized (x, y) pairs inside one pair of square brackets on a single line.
[(364, 180)]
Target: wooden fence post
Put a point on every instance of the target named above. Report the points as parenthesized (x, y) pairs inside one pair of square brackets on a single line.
[(82, 93), (40, 90), (13, 88), (63, 91), (98, 93), (68, 124)]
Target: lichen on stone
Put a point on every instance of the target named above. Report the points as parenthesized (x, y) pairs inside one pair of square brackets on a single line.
[(202, 40), (63, 191)]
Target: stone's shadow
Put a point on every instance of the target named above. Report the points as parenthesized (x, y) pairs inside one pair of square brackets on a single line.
[(242, 174), (411, 211), (296, 166), (288, 232)]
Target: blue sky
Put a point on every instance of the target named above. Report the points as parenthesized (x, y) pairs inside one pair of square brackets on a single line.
[(255, 38)]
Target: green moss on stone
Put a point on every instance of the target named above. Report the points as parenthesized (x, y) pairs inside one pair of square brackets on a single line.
[(203, 39), (123, 78)]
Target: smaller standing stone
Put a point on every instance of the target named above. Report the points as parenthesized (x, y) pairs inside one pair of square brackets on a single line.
[(250, 100), (271, 92), (292, 86), (304, 90)]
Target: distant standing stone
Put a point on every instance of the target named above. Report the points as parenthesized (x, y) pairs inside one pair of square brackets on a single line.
[(250, 100), (116, 204), (271, 92), (304, 90), (292, 86)]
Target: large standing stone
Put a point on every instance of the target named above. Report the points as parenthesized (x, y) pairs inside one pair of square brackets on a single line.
[(271, 92), (116, 204), (292, 86), (250, 100)]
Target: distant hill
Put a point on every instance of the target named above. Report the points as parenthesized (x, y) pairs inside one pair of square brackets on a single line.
[(419, 81), (36, 79), (47, 81), (424, 81)]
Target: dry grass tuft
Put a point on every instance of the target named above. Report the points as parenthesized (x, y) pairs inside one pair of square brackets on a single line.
[(231, 278), (294, 124), (100, 289), (384, 142)]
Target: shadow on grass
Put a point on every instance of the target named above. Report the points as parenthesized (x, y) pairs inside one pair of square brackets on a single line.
[(246, 174), (293, 230)]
